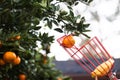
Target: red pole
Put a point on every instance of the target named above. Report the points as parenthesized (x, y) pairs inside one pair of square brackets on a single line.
[(112, 76)]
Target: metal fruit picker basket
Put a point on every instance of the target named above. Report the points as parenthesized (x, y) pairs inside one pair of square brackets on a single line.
[(92, 57)]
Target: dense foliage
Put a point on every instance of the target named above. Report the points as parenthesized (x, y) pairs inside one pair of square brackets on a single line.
[(19, 32)]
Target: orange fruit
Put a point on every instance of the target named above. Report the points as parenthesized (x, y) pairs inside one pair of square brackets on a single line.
[(9, 56), (22, 77), (14, 38), (17, 37), (68, 41), (2, 62), (59, 78), (103, 69), (17, 60)]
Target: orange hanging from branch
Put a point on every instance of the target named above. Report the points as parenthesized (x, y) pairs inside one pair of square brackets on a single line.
[(68, 41), (9, 56), (2, 62), (17, 60), (17, 37), (22, 77)]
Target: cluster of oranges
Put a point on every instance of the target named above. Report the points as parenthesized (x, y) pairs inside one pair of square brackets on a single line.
[(10, 57)]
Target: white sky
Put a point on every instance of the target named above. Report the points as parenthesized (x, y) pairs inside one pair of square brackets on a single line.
[(108, 31)]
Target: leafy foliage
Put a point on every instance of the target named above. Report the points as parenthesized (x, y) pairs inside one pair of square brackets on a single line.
[(22, 18)]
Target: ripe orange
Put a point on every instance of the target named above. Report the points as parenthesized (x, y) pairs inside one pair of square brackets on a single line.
[(14, 38), (17, 37), (103, 69), (22, 77), (17, 60), (9, 56), (2, 62), (68, 41), (59, 78)]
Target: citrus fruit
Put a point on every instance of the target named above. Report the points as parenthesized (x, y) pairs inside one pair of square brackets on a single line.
[(22, 77), (17, 37), (59, 78), (102, 69), (9, 56), (2, 62), (68, 41), (17, 60)]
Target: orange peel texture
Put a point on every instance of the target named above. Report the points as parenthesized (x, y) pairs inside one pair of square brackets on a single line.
[(68, 41)]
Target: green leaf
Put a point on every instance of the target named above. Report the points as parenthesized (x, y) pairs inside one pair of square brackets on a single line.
[(49, 22), (55, 22), (86, 25), (37, 28), (87, 30), (90, 1), (59, 30), (85, 35), (76, 3), (71, 14), (44, 3)]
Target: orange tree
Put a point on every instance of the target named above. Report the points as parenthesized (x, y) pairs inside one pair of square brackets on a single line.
[(19, 32)]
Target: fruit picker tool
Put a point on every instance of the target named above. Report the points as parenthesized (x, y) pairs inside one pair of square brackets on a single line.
[(92, 57)]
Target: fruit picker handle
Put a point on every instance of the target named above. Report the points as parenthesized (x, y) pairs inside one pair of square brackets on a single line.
[(112, 76), (96, 78)]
